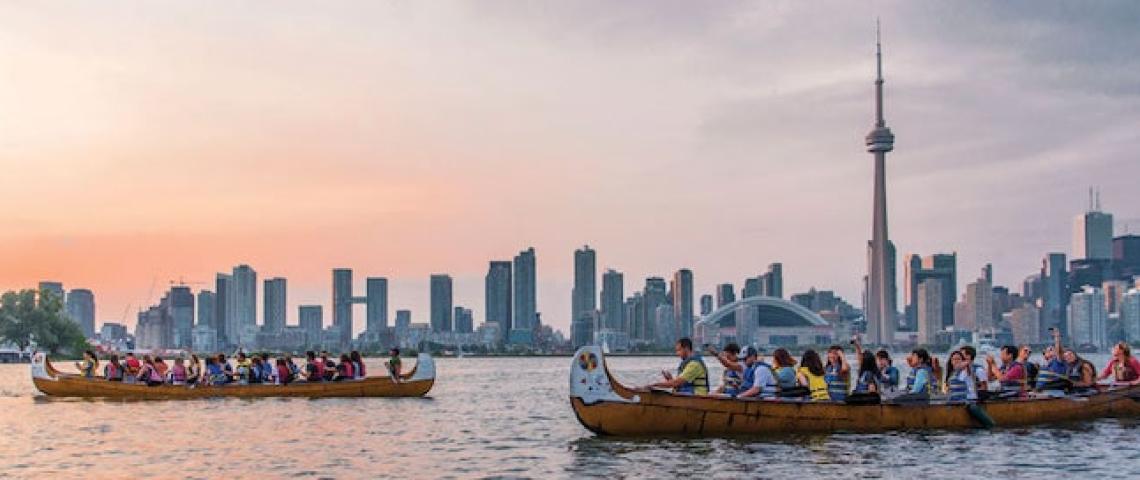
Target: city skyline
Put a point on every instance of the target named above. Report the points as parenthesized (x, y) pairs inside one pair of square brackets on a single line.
[(647, 203)]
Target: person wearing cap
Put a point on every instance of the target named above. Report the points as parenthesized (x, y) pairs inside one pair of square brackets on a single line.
[(748, 357), (763, 384), (733, 370)]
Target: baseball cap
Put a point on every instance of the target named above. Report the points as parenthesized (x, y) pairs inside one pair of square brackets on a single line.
[(746, 352)]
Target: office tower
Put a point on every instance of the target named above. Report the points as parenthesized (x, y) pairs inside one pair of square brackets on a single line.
[(497, 296), (1092, 232), (929, 310), (1088, 321), (1113, 294), (1130, 315), (464, 321), (441, 306), (1126, 255), (53, 288), (180, 302), (751, 287), (978, 308), (988, 273), (403, 319), (1054, 293), (666, 326), (582, 330), (706, 304), (312, 322), (223, 307), (376, 304), (1025, 324), (207, 309), (613, 295), (880, 308), (342, 302), (653, 295), (1031, 287), (724, 295), (244, 321), (683, 301), (774, 281), (275, 300), (81, 309), (525, 278), (584, 296)]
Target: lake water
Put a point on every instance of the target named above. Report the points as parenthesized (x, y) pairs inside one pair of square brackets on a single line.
[(502, 417)]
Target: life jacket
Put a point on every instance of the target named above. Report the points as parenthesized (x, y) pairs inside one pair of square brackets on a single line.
[(217, 374), (161, 368), (864, 382), (959, 388), (345, 369), (817, 385), (284, 376), (329, 370), (768, 389), (358, 369), (1031, 372), (152, 375), (112, 372), (786, 377), (178, 374), (732, 382), (700, 386), (836, 383), (913, 376), (319, 367), (133, 365), (1053, 373), (890, 378), (1015, 384)]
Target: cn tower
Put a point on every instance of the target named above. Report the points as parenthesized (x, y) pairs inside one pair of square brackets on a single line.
[(880, 308)]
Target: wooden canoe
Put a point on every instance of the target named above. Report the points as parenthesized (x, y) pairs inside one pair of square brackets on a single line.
[(52, 382), (606, 407)]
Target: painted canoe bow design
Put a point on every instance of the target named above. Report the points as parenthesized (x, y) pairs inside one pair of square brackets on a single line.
[(52, 382), (606, 407)]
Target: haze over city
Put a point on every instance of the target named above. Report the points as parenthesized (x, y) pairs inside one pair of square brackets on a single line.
[(169, 144)]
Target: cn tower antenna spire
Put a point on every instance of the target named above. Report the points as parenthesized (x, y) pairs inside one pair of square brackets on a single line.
[(879, 122)]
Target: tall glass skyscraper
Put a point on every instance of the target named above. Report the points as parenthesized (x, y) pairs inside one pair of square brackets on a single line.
[(497, 296), (525, 278), (441, 303)]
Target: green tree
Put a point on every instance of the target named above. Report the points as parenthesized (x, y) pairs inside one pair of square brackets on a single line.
[(28, 317)]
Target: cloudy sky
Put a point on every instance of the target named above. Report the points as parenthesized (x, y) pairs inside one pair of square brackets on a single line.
[(141, 143)]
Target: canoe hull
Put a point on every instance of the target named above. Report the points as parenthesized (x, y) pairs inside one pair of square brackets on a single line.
[(613, 409), (54, 383)]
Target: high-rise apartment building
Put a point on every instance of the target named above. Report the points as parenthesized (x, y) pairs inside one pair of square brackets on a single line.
[(244, 318), (376, 304), (497, 288), (682, 287), (81, 308), (441, 303), (613, 298), (1088, 320), (275, 305), (525, 293)]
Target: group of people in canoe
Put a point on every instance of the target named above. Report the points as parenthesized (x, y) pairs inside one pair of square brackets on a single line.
[(874, 378), (245, 369)]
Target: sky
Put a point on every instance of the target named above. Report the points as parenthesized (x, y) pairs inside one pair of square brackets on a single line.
[(143, 144)]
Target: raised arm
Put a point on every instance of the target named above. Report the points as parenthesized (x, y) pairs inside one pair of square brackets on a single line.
[(1057, 343)]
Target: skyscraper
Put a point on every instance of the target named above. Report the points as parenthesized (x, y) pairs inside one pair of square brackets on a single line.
[(497, 296), (207, 309), (643, 327), (464, 321), (180, 305), (706, 304), (274, 303), (942, 266), (1088, 320), (311, 321), (441, 306), (613, 298), (244, 321), (928, 307), (376, 306), (978, 310), (1092, 232), (223, 309), (53, 288), (774, 281), (683, 301), (342, 302), (403, 319), (1130, 315), (724, 295), (584, 296), (1054, 293), (81, 309), (525, 278), (880, 308)]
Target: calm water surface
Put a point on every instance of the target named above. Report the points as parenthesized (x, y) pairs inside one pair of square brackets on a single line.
[(495, 418)]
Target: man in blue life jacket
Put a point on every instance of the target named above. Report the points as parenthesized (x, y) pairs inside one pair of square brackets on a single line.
[(763, 384), (692, 375)]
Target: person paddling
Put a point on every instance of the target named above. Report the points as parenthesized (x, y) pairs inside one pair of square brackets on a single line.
[(394, 365), (89, 364), (692, 375)]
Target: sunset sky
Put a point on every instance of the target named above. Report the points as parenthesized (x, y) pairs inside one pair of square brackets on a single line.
[(143, 143)]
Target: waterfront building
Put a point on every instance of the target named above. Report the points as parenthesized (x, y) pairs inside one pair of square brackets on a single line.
[(311, 322), (112, 332), (584, 295), (497, 296), (441, 303), (880, 310), (180, 304), (223, 306), (582, 329), (342, 302), (207, 310), (204, 338), (244, 313), (977, 310), (763, 321), (928, 309), (706, 304), (751, 287), (942, 266), (404, 319), (1032, 287), (275, 305), (643, 327), (1088, 320), (464, 320), (1113, 294), (81, 308), (525, 295), (682, 288), (613, 297), (1025, 324), (1054, 293), (1092, 232), (376, 304), (724, 295), (1130, 315), (1126, 255)]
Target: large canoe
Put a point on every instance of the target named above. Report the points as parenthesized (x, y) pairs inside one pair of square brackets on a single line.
[(50, 381), (606, 407)]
